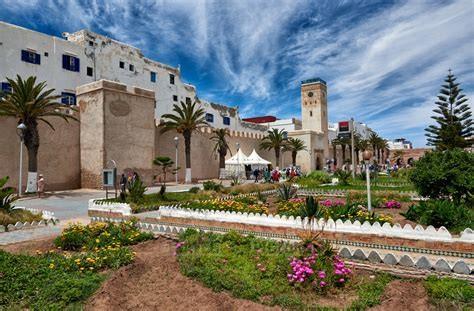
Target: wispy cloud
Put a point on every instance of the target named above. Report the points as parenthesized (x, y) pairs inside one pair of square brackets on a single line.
[(384, 61)]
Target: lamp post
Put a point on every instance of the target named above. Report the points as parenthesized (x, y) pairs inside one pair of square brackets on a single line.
[(176, 140), (367, 155), (352, 148), (281, 157), (20, 130)]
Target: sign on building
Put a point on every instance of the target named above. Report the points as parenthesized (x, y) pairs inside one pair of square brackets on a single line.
[(344, 129)]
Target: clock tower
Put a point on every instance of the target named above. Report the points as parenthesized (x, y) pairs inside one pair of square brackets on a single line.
[(314, 108)]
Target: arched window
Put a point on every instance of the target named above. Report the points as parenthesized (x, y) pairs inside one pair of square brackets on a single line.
[(310, 113)]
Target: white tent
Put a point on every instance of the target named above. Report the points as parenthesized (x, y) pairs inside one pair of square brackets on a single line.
[(256, 161), (235, 165)]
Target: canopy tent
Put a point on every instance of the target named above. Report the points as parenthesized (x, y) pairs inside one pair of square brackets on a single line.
[(236, 165), (256, 161)]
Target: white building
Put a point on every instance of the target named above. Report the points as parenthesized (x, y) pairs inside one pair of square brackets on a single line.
[(360, 128), (84, 57), (399, 144)]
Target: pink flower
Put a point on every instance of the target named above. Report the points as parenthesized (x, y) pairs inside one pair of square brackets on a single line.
[(321, 274), (341, 280), (322, 283)]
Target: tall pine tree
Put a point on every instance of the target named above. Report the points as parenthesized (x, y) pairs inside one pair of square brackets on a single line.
[(454, 128)]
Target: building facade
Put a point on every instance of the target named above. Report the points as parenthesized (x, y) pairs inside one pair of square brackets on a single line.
[(84, 56)]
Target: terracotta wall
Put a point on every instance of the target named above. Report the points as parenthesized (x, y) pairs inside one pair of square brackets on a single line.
[(58, 155)]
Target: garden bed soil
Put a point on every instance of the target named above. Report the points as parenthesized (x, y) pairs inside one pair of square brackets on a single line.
[(154, 281), (30, 247), (406, 295)]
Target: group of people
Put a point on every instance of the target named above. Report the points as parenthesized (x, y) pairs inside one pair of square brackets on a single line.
[(127, 180), (274, 175)]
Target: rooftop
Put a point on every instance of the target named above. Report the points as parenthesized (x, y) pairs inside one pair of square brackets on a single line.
[(313, 80)]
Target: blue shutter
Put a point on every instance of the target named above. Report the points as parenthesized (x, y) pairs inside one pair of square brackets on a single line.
[(77, 67), (66, 62), (37, 59)]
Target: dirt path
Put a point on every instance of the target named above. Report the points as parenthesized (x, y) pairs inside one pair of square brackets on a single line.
[(153, 282), (404, 295)]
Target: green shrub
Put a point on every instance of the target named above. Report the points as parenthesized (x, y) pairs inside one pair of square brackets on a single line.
[(194, 190), (450, 294), (7, 195), (286, 192), (137, 191), (453, 216), (444, 175), (99, 234), (342, 176), (211, 185)]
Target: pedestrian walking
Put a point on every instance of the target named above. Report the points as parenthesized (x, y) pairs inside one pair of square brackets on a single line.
[(40, 183)]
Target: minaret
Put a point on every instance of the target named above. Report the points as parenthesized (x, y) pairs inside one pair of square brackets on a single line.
[(314, 106)]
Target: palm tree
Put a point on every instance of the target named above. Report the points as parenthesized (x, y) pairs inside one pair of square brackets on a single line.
[(335, 142), (221, 147), (294, 145), (166, 165), (31, 103), (384, 147), (275, 139), (186, 119), (344, 142), (381, 146)]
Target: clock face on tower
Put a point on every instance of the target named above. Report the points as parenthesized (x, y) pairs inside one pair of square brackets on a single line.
[(310, 94)]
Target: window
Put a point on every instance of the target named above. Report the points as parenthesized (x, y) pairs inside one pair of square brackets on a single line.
[(188, 100), (209, 117), (91, 43), (5, 87), (121, 64), (90, 71), (310, 113), (71, 63), (171, 78), (226, 120), (46, 54), (175, 98), (68, 98), (153, 76), (30, 57), (131, 67)]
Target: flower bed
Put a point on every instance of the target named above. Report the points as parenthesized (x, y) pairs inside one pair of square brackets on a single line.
[(228, 205), (335, 209), (274, 273), (61, 279)]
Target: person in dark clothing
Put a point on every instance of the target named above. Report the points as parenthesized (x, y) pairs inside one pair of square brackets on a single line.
[(255, 174), (123, 183)]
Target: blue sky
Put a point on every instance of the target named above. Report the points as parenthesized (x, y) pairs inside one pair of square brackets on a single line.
[(384, 61)]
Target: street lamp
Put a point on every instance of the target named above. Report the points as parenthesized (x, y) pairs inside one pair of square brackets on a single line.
[(367, 155), (176, 140), (20, 130), (281, 157)]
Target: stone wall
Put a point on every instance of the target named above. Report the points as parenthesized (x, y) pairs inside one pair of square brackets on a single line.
[(58, 155)]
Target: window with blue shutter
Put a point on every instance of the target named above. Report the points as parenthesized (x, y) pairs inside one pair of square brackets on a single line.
[(226, 120), (30, 57), (209, 117), (71, 63), (6, 87), (153, 76), (68, 98)]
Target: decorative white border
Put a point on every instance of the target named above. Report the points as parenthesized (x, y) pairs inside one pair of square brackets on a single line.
[(110, 207)]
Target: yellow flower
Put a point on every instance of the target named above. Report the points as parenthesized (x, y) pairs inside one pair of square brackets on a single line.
[(97, 240), (51, 266)]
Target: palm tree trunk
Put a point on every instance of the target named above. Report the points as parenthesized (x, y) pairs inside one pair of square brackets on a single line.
[(222, 160), (187, 151), (277, 157), (293, 157), (334, 154), (32, 143), (343, 147)]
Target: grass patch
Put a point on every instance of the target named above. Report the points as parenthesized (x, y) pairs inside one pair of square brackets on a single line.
[(27, 282), (249, 188), (450, 294), (370, 292), (64, 278), (260, 270), (18, 215), (362, 186)]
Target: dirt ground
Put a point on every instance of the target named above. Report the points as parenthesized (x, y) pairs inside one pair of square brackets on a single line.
[(406, 295), (153, 282)]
